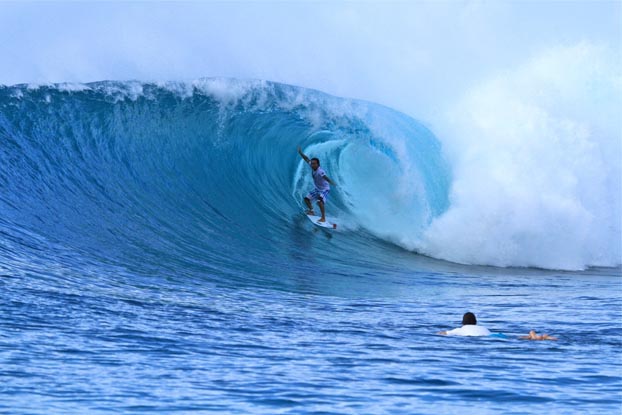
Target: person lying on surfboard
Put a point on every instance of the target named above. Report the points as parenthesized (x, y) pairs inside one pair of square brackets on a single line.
[(322, 186), (470, 328), (535, 336)]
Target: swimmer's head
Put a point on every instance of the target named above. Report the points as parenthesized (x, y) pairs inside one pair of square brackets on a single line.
[(315, 163), (469, 319)]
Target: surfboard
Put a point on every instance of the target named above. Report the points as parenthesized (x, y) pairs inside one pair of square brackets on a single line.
[(329, 224)]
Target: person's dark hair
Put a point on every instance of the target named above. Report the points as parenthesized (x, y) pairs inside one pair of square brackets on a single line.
[(468, 319), (316, 159)]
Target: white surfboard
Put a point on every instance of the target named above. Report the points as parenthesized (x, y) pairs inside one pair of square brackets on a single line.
[(329, 224)]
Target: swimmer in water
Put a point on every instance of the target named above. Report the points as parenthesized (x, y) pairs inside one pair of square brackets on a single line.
[(535, 336), (469, 328)]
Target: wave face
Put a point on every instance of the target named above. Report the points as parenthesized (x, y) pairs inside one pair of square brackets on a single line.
[(205, 176)]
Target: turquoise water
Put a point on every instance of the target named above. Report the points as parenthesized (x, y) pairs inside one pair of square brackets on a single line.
[(153, 257)]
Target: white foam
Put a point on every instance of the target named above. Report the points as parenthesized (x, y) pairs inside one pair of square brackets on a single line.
[(536, 155), (227, 91), (33, 86), (17, 93), (72, 87), (131, 90)]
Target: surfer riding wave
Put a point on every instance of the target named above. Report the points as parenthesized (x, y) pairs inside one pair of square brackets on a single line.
[(322, 186)]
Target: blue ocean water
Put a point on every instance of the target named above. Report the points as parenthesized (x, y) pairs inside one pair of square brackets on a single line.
[(153, 257)]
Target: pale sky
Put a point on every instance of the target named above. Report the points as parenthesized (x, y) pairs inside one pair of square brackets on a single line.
[(413, 56)]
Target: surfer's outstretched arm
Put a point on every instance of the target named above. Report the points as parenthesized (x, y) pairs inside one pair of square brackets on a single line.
[(304, 157)]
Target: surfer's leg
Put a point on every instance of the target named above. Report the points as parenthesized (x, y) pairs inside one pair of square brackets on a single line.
[(320, 203), (309, 205)]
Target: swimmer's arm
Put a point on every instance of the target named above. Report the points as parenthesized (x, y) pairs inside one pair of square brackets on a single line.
[(304, 157), (442, 333)]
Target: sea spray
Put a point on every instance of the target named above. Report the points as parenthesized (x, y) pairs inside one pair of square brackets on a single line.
[(536, 155)]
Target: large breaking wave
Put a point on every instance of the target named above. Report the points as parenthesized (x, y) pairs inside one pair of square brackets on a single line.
[(206, 174)]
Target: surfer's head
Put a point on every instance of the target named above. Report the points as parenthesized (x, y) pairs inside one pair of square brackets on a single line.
[(315, 163), (469, 319)]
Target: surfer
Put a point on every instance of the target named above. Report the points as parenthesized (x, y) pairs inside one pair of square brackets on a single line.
[(469, 328), (322, 185)]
